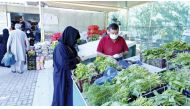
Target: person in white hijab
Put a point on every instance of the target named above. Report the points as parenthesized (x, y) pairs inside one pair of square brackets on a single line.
[(18, 44)]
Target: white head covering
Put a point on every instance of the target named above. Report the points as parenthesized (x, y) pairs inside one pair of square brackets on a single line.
[(17, 26)]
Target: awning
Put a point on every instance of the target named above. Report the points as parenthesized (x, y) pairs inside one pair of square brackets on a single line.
[(100, 6)]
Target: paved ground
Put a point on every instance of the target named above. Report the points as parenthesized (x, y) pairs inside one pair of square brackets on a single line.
[(32, 88), (17, 89)]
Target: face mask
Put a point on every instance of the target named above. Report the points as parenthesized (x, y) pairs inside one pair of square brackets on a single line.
[(113, 36), (28, 32)]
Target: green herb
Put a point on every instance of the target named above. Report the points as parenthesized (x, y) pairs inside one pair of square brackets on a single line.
[(85, 71), (103, 62), (170, 98), (182, 59), (177, 79), (98, 95), (142, 102)]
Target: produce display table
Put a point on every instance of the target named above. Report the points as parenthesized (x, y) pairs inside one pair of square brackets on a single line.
[(78, 99), (81, 100), (88, 50)]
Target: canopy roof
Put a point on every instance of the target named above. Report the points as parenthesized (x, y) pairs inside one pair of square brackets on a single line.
[(101, 6)]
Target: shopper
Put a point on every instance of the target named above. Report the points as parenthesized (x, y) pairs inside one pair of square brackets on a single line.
[(23, 24), (30, 36), (65, 58), (3, 44), (18, 44), (112, 45), (37, 34)]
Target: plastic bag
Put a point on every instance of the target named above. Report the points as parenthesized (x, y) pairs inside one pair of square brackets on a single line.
[(8, 59), (101, 80), (124, 64), (109, 74)]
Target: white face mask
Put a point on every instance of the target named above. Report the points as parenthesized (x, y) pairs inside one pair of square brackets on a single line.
[(28, 32), (113, 36)]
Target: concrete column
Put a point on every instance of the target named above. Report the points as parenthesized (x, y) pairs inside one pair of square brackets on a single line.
[(105, 20), (41, 22)]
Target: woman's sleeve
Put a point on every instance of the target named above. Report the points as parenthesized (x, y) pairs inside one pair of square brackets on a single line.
[(73, 62)]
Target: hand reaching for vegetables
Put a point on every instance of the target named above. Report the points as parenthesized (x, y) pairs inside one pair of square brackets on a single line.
[(117, 55)]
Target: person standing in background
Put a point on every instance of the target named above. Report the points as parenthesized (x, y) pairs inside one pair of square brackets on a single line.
[(23, 24), (37, 34), (3, 44), (30, 36), (18, 45)]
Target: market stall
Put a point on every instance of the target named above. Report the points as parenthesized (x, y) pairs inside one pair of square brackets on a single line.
[(132, 82)]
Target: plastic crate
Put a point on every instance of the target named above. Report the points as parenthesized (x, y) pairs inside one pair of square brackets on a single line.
[(161, 63), (148, 94), (31, 62)]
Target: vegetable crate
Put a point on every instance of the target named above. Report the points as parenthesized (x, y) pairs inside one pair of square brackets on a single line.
[(31, 61), (160, 89), (161, 63), (80, 83)]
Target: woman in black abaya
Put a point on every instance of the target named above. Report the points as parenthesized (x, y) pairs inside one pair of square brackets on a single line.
[(65, 58), (3, 44)]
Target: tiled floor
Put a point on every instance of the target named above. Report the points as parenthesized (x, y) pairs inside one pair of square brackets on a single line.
[(32, 88), (17, 89)]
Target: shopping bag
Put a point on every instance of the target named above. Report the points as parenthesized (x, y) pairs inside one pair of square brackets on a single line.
[(109, 74), (8, 59), (124, 64)]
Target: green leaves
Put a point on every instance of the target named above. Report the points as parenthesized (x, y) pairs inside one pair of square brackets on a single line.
[(98, 95), (85, 71), (177, 79), (138, 80), (175, 45), (165, 51), (168, 98), (182, 59), (103, 62), (142, 102)]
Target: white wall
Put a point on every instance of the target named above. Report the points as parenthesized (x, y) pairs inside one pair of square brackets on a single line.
[(77, 19)]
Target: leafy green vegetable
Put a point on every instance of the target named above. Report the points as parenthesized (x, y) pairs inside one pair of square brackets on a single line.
[(138, 80), (103, 62), (170, 98), (121, 95), (175, 45), (142, 102), (155, 53), (98, 95), (177, 79), (85, 71), (165, 51), (114, 103), (182, 59)]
